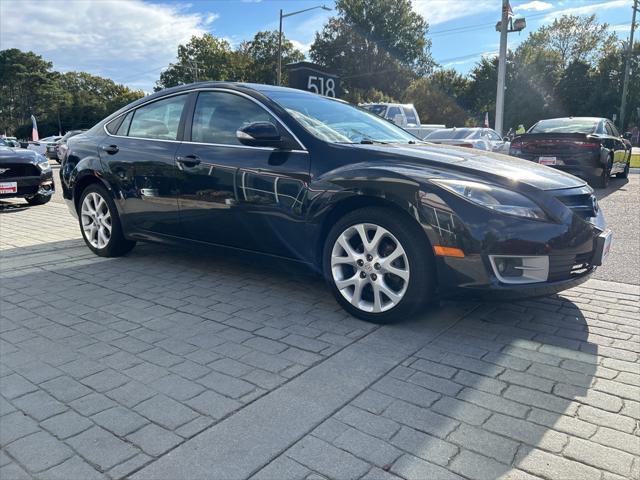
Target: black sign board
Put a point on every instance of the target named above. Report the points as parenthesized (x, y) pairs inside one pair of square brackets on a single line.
[(311, 77)]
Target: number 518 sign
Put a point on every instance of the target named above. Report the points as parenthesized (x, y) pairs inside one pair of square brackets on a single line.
[(311, 77)]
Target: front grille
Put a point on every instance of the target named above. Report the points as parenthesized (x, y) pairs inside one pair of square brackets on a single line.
[(564, 267), (584, 205), (19, 170)]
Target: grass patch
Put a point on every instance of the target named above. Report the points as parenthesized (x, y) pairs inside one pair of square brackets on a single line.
[(635, 160)]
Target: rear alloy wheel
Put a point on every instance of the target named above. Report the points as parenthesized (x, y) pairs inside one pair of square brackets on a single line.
[(603, 180), (625, 172), (100, 224), (372, 264)]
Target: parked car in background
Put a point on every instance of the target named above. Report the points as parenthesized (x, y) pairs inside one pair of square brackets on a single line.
[(391, 221), (58, 150), (475, 137), (40, 146), (403, 115), (25, 174), (587, 147), (11, 142)]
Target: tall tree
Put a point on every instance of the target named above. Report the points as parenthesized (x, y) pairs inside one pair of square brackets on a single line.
[(573, 38), (440, 98), (379, 44), (202, 58), (262, 57)]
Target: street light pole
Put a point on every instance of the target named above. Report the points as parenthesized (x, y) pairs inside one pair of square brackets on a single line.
[(502, 67), (627, 68), (285, 15)]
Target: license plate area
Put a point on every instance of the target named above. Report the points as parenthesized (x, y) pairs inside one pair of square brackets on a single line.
[(547, 160), (603, 247), (8, 187)]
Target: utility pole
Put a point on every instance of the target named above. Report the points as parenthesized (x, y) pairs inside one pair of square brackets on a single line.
[(627, 68), (502, 66), (279, 75)]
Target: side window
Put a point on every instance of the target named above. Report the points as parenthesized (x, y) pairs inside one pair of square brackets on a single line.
[(607, 126), (218, 115), (123, 129), (614, 130), (493, 135), (392, 112), (158, 120), (411, 116)]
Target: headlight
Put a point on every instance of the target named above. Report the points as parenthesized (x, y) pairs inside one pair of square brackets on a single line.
[(44, 165), (496, 198)]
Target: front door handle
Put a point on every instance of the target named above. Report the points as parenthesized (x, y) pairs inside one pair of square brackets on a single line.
[(110, 149), (188, 160)]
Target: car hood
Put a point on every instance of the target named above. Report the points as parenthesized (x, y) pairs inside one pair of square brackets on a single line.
[(482, 164), (19, 155)]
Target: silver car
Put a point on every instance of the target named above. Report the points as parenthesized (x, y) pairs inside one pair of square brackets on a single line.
[(474, 137)]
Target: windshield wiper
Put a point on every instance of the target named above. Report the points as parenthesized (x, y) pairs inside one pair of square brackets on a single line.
[(368, 141)]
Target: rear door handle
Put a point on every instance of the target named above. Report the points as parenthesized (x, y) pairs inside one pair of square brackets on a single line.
[(110, 149), (188, 160)]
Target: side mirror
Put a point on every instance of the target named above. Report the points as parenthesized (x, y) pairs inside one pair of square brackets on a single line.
[(259, 134)]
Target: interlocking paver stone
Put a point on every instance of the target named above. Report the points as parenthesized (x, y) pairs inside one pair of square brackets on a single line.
[(101, 448), (66, 424), (39, 451), (154, 440), (14, 426), (165, 411)]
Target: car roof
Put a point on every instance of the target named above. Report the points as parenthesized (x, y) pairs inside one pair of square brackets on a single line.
[(590, 119)]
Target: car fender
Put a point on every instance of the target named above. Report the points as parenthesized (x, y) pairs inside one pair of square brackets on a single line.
[(76, 175), (359, 185)]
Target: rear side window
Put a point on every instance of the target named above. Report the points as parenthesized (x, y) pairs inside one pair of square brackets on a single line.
[(123, 129), (218, 115), (158, 120), (411, 115), (392, 112)]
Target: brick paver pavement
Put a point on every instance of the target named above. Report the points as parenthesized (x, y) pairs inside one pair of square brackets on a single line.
[(196, 364)]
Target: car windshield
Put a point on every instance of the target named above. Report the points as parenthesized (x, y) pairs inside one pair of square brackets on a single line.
[(338, 122), (565, 125), (3, 143), (452, 134)]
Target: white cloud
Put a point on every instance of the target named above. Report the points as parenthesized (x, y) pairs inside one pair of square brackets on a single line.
[(117, 39), (441, 11), (303, 47), (588, 9), (535, 5)]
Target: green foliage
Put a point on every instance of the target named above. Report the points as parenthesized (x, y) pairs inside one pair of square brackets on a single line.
[(374, 44), (440, 98), (211, 58), (72, 100)]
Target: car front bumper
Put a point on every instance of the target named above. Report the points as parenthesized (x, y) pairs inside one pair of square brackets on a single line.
[(568, 248), (30, 186)]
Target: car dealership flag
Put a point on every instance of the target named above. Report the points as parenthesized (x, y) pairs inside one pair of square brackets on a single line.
[(486, 119), (34, 129)]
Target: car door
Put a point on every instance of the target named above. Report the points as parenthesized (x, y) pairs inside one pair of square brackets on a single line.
[(140, 156), (236, 195)]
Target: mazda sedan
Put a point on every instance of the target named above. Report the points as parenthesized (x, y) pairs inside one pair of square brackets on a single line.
[(390, 221)]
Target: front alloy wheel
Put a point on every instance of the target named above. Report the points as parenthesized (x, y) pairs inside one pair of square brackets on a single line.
[(100, 224), (96, 220), (379, 264), (370, 267)]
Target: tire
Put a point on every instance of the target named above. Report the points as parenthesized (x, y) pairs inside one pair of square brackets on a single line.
[(38, 200), (603, 180), (408, 278), (100, 224), (625, 172)]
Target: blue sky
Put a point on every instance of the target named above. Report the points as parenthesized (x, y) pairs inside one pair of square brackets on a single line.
[(131, 41)]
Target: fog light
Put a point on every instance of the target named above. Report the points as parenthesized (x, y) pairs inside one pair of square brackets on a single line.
[(517, 269)]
